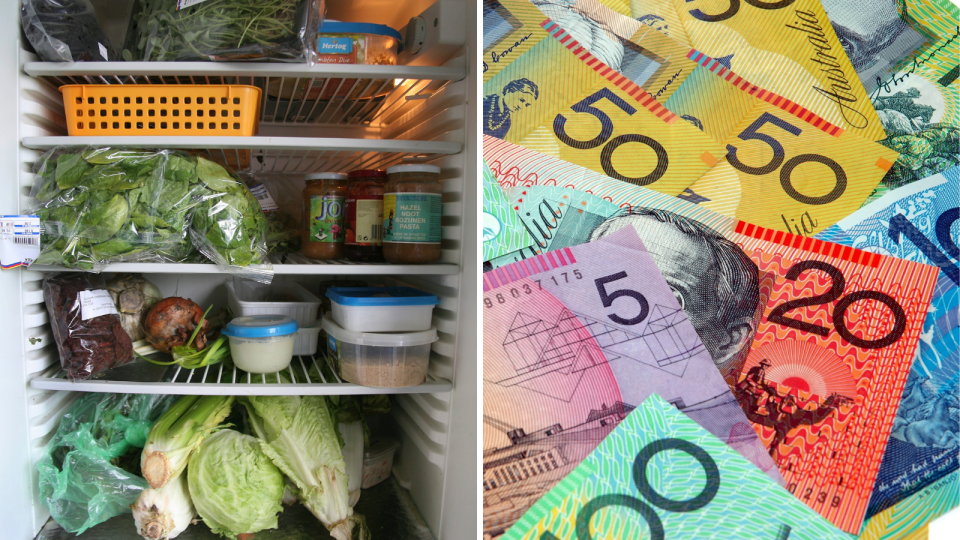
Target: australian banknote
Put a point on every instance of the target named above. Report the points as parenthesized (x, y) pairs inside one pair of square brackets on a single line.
[(787, 47), (829, 362), (575, 339), (660, 475), (919, 222), (560, 99), (875, 36), (909, 518), (702, 269), (919, 103), (782, 171), (503, 231)]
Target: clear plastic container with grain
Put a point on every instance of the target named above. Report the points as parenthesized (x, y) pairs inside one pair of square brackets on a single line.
[(387, 360)]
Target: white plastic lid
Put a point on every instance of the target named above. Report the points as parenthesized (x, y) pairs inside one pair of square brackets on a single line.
[(326, 176), (385, 339), (413, 167)]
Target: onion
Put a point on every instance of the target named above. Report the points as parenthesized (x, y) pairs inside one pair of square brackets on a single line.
[(172, 321)]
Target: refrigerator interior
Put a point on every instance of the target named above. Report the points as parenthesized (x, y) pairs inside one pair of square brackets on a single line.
[(428, 114)]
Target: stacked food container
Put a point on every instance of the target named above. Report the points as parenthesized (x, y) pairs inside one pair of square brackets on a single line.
[(380, 336)]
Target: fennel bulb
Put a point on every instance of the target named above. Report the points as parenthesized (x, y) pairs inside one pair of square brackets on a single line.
[(162, 514), (178, 433)]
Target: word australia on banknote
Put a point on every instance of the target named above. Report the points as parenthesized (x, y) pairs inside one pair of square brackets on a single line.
[(919, 222), (787, 47), (503, 232), (574, 340), (660, 475)]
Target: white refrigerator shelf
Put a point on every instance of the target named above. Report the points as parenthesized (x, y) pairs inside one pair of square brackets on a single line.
[(235, 382), (292, 94)]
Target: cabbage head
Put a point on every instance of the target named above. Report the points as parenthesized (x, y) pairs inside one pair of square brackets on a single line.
[(235, 487)]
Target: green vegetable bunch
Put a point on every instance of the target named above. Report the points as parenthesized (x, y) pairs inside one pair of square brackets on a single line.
[(107, 205), (223, 30)]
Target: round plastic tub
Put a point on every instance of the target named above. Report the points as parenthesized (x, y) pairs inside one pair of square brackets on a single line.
[(381, 309), (262, 343), (378, 462), (380, 360)]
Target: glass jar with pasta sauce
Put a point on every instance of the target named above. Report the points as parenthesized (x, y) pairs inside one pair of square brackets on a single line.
[(324, 212), (411, 214), (365, 215)]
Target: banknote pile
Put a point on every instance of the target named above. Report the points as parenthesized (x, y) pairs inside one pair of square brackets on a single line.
[(720, 288)]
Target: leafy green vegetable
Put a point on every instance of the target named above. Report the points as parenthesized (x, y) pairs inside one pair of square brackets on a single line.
[(109, 205), (235, 487), (222, 30), (300, 436), (70, 167)]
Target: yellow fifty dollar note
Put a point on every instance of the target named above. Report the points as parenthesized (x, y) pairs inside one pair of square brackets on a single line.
[(783, 173), (559, 100), (787, 47)]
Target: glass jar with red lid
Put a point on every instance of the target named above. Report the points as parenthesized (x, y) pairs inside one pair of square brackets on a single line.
[(364, 241)]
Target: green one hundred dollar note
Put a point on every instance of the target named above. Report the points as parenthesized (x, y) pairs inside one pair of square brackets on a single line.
[(660, 475)]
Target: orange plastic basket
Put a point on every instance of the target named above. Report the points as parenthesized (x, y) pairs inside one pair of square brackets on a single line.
[(161, 109)]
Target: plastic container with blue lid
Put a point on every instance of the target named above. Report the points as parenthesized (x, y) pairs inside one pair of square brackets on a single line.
[(382, 309), (357, 43), (262, 343)]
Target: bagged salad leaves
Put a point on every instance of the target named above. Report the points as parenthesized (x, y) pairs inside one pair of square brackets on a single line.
[(84, 477), (224, 30), (64, 31), (281, 199), (99, 206)]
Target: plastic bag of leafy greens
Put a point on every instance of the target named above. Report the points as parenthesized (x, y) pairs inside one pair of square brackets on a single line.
[(281, 200), (64, 31), (224, 30), (105, 205), (227, 226), (90, 471)]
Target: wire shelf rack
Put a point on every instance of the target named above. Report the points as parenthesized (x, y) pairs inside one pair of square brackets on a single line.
[(219, 379), (290, 93)]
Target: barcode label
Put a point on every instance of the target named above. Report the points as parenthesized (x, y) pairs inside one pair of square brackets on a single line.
[(19, 240), (267, 204), (376, 233)]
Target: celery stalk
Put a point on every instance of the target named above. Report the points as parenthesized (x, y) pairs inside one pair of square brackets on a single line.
[(178, 433)]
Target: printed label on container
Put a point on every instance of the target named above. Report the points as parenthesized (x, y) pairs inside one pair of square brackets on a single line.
[(339, 50), (96, 303), (326, 218), (267, 204), (367, 223), (19, 240), (411, 217), (333, 352)]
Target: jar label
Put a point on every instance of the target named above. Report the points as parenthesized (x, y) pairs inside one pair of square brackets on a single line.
[(326, 218), (412, 217), (367, 223), (333, 352)]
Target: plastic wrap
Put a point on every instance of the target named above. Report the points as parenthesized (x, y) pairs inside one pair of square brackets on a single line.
[(90, 337), (282, 204), (99, 206), (80, 480), (224, 30), (64, 31), (228, 226)]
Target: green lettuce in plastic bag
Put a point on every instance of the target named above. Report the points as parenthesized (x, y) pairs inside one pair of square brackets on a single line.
[(82, 479)]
